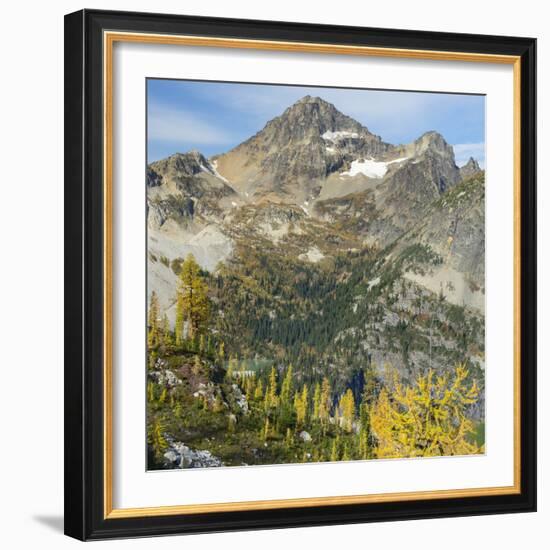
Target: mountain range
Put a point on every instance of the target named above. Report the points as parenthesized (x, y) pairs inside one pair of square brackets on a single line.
[(315, 183)]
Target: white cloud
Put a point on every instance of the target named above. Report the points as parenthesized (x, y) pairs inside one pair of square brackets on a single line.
[(180, 126), (463, 152)]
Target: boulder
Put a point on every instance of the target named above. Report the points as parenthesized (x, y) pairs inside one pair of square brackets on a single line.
[(181, 456)]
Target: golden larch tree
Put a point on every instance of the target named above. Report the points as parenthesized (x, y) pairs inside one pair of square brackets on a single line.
[(428, 418)]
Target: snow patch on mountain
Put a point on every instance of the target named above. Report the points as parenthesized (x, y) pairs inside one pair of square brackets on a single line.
[(214, 166), (337, 136), (370, 167)]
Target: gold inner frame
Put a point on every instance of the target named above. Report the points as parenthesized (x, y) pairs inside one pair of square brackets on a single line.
[(109, 39)]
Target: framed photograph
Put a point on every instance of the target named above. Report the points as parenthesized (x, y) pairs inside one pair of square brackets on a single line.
[(300, 274)]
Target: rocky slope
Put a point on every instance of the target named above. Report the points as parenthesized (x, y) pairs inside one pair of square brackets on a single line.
[(454, 227), (186, 203)]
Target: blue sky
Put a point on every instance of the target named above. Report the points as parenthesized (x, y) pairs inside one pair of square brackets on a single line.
[(214, 117)]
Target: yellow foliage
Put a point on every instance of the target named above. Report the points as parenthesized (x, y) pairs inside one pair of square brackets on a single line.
[(425, 419), (156, 439), (347, 411), (259, 391), (191, 300), (271, 399), (324, 401), (153, 321), (301, 405), (286, 387)]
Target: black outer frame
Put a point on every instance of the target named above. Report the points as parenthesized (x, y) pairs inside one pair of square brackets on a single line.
[(84, 517)]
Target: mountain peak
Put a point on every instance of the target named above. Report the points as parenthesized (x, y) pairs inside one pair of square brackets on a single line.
[(189, 163), (431, 138), (295, 151), (307, 120), (312, 99), (470, 168), (308, 99), (472, 162), (431, 142)]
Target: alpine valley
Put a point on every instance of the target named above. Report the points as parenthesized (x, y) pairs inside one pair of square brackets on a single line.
[(315, 294)]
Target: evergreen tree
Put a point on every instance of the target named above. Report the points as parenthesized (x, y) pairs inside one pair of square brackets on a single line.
[(166, 334), (230, 369), (317, 402), (156, 439), (192, 301), (150, 392), (221, 352), (324, 402), (250, 386), (334, 453), (288, 439), (180, 320), (153, 321), (286, 387), (347, 410), (367, 399), (271, 400), (259, 391), (301, 404), (364, 444), (197, 366), (345, 454), (266, 430)]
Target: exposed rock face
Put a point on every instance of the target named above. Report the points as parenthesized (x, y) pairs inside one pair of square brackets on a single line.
[(154, 179), (454, 228), (291, 156), (165, 377), (186, 203), (433, 148), (422, 172), (177, 184), (470, 168), (416, 183)]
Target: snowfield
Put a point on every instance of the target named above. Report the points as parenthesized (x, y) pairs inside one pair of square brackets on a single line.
[(370, 168), (336, 136)]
